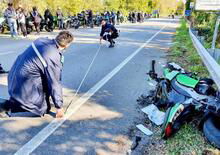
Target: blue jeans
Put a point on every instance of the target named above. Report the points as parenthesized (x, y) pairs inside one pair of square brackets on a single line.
[(60, 24), (13, 27)]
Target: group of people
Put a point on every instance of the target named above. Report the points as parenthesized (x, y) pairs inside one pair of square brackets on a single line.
[(88, 18), (112, 17), (137, 17), (19, 19)]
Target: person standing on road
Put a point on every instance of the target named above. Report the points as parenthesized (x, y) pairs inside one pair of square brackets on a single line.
[(60, 18), (36, 76), (90, 18), (48, 17), (118, 17), (112, 18), (22, 21), (108, 32), (36, 19), (11, 17)]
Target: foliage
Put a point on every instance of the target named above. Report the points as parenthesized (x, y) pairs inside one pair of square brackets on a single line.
[(187, 141), (205, 24), (184, 52), (74, 6)]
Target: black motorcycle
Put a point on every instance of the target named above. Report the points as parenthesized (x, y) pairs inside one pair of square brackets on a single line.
[(29, 24), (4, 25), (74, 22), (47, 25)]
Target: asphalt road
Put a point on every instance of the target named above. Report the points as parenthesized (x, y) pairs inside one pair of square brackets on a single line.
[(102, 123)]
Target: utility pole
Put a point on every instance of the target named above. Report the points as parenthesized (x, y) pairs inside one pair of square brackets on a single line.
[(215, 32)]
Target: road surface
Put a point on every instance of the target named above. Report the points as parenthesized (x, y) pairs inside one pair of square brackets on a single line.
[(103, 112)]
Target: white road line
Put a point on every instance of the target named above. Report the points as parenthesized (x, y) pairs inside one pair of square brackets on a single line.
[(38, 139)]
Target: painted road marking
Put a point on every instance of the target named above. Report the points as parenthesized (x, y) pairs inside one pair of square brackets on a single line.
[(38, 139)]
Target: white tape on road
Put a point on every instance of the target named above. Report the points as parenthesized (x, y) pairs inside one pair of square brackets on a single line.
[(6, 53), (38, 139)]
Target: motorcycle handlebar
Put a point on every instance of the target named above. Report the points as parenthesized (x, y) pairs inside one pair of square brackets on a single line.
[(153, 66)]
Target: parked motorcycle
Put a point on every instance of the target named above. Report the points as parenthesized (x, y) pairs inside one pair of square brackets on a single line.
[(29, 24), (66, 22), (3, 25), (185, 96), (46, 25), (74, 22)]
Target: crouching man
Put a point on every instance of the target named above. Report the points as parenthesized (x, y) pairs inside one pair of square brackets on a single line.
[(108, 33), (36, 76)]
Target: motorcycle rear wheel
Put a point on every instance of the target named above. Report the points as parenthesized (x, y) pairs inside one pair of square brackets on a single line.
[(211, 129)]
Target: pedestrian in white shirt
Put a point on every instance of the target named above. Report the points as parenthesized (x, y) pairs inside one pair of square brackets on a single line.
[(21, 21)]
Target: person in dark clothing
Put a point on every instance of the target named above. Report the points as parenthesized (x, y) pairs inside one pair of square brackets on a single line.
[(134, 19), (90, 18), (48, 17), (36, 76), (118, 17), (36, 17), (112, 18), (109, 33)]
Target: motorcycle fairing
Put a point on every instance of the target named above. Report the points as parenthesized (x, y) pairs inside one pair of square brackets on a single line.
[(187, 81)]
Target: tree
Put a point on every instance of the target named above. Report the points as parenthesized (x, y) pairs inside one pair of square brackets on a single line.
[(75, 6)]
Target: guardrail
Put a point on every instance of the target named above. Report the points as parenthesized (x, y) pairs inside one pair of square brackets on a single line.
[(211, 64)]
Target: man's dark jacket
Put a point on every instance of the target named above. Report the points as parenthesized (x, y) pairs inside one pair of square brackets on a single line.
[(27, 81), (107, 28)]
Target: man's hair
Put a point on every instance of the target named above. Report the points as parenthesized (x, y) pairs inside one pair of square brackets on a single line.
[(10, 4), (64, 38), (103, 20)]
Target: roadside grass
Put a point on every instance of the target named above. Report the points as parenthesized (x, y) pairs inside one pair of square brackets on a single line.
[(184, 53), (189, 140)]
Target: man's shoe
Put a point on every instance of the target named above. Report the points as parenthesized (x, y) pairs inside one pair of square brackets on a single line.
[(111, 46), (3, 112), (2, 71)]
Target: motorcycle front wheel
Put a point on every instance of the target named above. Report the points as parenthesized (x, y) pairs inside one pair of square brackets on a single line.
[(2, 29)]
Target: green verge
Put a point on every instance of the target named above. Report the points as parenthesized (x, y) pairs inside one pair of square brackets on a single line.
[(184, 53), (189, 140)]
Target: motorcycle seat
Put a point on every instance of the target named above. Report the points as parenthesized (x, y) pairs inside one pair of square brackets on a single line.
[(186, 81)]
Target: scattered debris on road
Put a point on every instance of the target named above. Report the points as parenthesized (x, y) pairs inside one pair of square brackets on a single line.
[(144, 129), (154, 114)]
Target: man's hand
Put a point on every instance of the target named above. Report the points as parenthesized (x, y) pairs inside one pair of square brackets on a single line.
[(101, 40), (59, 113)]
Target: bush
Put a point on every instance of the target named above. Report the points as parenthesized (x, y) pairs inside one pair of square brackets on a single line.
[(205, 24), (184, 53)]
